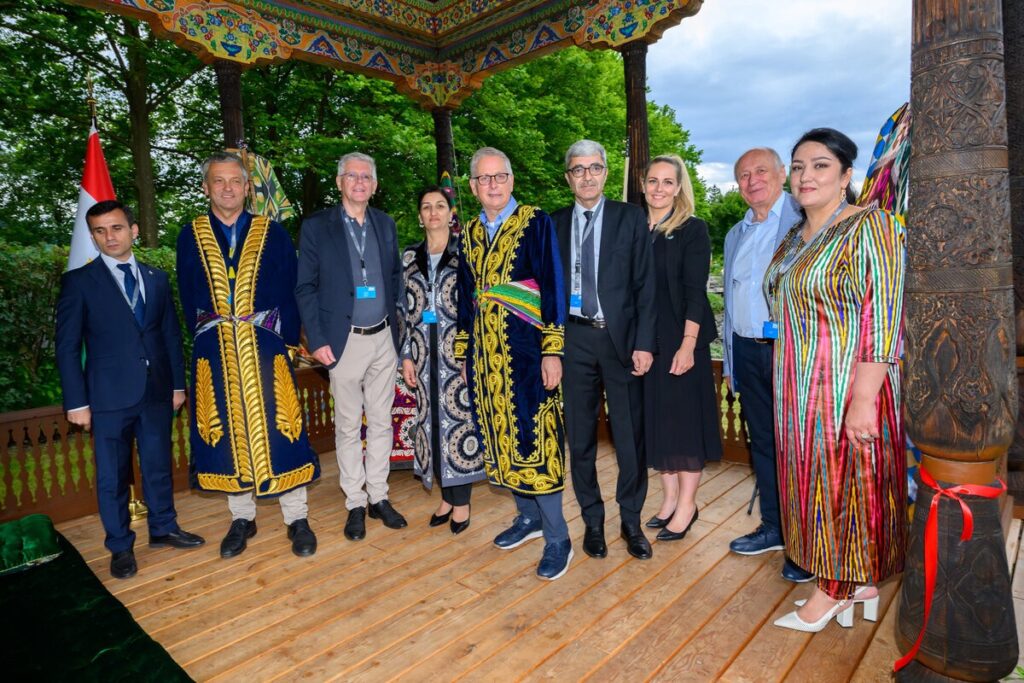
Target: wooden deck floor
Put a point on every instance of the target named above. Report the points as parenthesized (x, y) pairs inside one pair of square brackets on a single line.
[(422, 605)]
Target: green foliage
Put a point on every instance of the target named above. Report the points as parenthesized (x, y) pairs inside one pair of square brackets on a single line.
[(721, 212)]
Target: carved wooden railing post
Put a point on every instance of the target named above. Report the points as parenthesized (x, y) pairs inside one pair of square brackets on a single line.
[(961, 389)]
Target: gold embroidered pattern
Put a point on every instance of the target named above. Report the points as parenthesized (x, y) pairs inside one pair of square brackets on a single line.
[(219, 482), (207, 420), (289, 412), (552, 340), (290, 480)]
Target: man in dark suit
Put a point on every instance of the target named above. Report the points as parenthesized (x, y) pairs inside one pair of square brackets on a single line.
[(349, 291), (133, 379), (609, 341)]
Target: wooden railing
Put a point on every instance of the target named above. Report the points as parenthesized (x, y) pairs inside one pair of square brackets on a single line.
[(47, 464)]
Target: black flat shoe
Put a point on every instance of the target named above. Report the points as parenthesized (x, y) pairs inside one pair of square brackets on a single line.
[(438, 520), (666, 535), (656, 522)]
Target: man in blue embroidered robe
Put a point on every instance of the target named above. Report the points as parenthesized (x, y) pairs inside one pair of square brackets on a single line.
[(236, 276), (511, 333)]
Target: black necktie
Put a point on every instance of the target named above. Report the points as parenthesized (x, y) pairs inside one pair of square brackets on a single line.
[(129, 289), (589, 284)]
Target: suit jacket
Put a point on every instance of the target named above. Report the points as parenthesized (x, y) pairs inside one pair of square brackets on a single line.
[(325, 289), (687, 263), (791, 215), (120, 354), (625, 275)]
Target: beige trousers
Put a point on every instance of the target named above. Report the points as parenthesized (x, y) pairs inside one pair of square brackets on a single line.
[(293, 505), (364, 380)]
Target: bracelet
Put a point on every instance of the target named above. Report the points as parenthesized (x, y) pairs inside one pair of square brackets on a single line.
[(691, 336)]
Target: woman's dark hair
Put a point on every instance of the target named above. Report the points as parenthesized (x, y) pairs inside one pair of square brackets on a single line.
[(434, 188), (841, 146)]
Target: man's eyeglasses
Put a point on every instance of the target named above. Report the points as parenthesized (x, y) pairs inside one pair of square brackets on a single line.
[(499, 178), (578, 171), (356, 177)]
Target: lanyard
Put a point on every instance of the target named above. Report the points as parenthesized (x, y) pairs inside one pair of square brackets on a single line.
[(138, 288), (578, 239), (794, 250), (360, 245), (432, 278)]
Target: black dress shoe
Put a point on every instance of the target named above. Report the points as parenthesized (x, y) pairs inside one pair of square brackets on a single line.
[(593, 541), (303, 538), (355, 527), (438, 520), (656, 522), (122, 565), (636, 543), (176, 539), (383, 511), (458, 527), (666, 535), (234, 541)]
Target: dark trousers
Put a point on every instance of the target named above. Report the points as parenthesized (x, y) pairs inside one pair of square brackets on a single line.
[(149, 422), (590, 361), (752, 377), (453, 495)]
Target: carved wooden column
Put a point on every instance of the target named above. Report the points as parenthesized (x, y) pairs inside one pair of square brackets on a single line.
[(1013, 45), (444, 140), (634, 61), (229, 85), (961, 390)]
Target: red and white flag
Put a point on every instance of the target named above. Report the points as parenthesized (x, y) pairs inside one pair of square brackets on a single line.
[(96, 187)]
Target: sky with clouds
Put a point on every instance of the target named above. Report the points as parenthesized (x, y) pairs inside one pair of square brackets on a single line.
[(748, 73)]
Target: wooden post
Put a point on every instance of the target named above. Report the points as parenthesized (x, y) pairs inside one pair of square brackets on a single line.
[(1013, 42), (229, 85), (961, 392), (634, 61), (444, 140)]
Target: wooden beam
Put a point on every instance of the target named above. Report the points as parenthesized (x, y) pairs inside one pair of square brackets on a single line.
[(444, 140), (229, 85), (634, 61)]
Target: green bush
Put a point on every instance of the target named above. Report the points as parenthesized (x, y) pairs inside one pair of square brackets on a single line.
[(29, 286)]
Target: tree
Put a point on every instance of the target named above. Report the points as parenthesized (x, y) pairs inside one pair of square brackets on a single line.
[(721, 212)]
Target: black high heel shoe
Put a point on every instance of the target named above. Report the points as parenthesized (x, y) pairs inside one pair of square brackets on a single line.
[(438, 520), (458, 527), (666, 535), (657, 522)]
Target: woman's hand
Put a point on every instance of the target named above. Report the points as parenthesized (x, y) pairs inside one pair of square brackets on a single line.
[(861, 423), (683, 360), (409, 373)]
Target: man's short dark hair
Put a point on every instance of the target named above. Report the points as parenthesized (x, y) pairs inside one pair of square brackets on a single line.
[(105, 207)]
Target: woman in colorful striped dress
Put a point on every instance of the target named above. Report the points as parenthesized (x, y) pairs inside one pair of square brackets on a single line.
[(835, 287)]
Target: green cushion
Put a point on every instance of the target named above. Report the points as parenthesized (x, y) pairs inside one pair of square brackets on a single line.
[(27, 542)]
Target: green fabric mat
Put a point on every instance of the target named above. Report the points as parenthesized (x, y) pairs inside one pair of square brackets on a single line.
[(27, 542), (59, 623)]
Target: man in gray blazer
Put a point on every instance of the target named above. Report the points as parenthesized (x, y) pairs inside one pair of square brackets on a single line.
[(349, 288), (747, 364)]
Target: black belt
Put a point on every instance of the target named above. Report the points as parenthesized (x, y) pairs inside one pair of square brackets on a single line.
[(374, 329), (760, 340), (589, 322)]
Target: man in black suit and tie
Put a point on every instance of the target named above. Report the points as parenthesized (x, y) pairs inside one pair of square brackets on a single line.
[(133, 379), (609, 341), (349, 289)]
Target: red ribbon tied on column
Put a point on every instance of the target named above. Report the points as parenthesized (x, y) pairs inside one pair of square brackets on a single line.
[(931, 541)]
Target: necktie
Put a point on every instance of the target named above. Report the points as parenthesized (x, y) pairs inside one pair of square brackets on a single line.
[(129, 289), (589, 284)]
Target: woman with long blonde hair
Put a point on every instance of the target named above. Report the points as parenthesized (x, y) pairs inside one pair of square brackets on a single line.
[(681, 417)]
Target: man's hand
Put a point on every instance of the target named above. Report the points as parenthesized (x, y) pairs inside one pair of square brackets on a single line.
[(178, 400), (325, 355), (81, 417), (409, 373), (642, 361), (551, 371)]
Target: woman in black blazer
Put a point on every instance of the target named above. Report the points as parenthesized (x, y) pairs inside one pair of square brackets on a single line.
[(680, 413)]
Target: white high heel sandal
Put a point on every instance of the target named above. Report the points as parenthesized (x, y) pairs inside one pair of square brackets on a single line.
[(842, 611), (870, 604)]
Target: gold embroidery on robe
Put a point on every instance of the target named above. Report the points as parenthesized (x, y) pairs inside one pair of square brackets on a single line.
[(289, 411), (208, 422)]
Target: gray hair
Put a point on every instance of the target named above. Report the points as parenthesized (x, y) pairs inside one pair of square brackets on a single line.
[(357, 156), (763, 150), (488, 152), (222, 158), (585, 148)]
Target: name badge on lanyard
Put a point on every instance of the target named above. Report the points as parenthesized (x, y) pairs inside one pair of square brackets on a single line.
[(366, 292)]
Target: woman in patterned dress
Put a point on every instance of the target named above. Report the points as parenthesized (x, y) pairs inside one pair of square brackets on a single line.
[(835, 287), (447, 448)]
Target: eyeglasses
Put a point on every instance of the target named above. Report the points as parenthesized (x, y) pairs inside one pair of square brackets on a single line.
[(499, 178), (578, 171), (357, 177)]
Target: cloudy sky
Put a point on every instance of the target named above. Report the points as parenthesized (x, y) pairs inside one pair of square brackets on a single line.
[(746, 73)]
